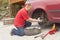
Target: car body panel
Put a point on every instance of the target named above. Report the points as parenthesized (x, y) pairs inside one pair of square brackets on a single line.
[(51, 7)]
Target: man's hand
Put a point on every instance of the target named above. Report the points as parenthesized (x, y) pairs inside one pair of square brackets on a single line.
[(39, 20), (34, 20)]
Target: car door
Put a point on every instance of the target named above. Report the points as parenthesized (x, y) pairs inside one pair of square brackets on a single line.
[(53, 9)]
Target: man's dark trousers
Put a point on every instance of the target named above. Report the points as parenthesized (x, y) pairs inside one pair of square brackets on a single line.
[(20, 30)]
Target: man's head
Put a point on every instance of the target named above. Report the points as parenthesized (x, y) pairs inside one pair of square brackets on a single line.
[(28, 7)]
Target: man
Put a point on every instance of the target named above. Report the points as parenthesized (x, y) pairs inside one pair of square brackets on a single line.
[(22, 20)]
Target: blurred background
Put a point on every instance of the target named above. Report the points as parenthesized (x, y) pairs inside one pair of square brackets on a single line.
[(9, 8)]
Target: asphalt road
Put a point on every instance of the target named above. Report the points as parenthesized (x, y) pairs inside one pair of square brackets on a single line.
[(6, 29)]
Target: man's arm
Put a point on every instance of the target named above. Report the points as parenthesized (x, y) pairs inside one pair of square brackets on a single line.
[(34, 20)]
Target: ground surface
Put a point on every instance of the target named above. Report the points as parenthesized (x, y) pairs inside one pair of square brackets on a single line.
[(6, 29)]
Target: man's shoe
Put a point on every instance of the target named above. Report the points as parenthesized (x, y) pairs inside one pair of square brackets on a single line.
[(12, 33)]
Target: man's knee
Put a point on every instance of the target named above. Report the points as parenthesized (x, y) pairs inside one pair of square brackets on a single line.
[(28, 24)]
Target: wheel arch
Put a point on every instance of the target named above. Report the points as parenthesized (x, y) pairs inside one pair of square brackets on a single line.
[(39, 10)]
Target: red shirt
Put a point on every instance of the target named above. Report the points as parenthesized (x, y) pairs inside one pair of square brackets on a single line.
[(21, 17)]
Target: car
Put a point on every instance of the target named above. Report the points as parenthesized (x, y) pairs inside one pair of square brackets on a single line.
[(47, 10)]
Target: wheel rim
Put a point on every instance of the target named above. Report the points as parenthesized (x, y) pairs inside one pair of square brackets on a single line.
[(44, 19)]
